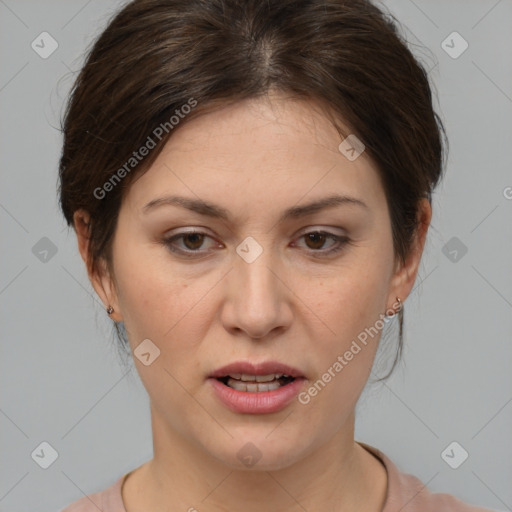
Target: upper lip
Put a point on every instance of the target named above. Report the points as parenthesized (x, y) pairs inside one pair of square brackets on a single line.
[(263, 368)]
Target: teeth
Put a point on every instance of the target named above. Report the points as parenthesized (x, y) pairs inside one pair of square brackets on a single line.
[(256, 378), (267, 378), (253, 387)]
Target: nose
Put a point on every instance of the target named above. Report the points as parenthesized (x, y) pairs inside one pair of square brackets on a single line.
[(259, 299)]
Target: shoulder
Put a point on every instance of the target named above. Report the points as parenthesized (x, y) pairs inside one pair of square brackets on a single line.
[(408, 494), (108, 500)]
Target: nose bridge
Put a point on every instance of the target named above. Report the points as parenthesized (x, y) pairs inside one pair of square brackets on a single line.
[(258, 291)]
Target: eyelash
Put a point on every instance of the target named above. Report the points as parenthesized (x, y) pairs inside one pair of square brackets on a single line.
[(341, 242)]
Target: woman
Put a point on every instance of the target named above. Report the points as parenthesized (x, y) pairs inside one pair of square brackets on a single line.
[(250, 187)]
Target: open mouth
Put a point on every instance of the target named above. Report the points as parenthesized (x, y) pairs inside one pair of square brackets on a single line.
[(255, 383)]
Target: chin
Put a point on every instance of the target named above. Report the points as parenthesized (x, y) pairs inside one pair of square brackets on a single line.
[(254, 452)]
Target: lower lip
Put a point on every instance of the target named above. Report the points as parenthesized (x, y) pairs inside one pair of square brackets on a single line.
[(263, 402)]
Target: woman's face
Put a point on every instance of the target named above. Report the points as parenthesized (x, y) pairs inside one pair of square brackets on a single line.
[(253, 287)]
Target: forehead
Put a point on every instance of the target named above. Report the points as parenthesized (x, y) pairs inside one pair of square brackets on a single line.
[(271, 148), (274, 121)]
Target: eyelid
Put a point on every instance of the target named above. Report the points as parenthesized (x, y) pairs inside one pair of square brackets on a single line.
[(168, 239), (340, 241), (329, 230)]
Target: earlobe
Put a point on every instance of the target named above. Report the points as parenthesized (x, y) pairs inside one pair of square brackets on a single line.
[(99, 276), (104, 286)]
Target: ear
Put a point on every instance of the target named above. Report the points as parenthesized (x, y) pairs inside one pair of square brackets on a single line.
[(405, 275), (101, 280)]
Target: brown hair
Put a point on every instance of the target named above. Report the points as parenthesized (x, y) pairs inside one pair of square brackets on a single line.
[(156, 56)]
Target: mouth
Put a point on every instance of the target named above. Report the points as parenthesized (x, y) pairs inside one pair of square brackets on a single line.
[(256, 383), (256, 388)]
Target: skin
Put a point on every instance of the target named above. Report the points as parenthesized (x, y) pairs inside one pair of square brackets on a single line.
[(255, 159)]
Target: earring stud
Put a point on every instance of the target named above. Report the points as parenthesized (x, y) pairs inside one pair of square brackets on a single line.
[(395, 311), (110, 310)]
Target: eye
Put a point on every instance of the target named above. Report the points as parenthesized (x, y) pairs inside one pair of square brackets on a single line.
[(192, 241), (315, 240)]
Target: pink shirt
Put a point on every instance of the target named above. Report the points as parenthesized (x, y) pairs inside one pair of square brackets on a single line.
[(405, 493)]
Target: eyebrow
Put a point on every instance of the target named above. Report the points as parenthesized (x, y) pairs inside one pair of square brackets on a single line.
[(212, 210)]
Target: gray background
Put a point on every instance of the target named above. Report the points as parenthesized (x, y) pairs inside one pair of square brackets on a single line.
[(61, 377)]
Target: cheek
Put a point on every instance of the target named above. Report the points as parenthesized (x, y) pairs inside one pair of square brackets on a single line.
[(170, 313), (146, 290), (158, 308), (351, 309), (167, 308), (352, 302), (343, 361)]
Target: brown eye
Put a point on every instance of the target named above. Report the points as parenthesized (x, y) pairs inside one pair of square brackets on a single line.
[(315, 241), (192, 243)]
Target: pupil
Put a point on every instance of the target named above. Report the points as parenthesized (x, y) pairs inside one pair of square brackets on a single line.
[(192, 235), (311, 237)]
